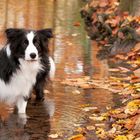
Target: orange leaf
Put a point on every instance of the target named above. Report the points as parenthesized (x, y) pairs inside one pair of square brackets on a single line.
[(78, 137), (103, 3), (122, 57), (137, 72), (137, 47), (77, 24)]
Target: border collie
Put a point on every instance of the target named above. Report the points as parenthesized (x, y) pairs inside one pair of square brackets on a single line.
[(24, 63)]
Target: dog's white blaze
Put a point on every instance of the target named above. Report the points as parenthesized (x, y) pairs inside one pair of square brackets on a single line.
[(8, 51), (20, 84), (31, 47), (52, 69)]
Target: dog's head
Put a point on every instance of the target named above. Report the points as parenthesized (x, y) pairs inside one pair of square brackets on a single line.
[(28, 44)]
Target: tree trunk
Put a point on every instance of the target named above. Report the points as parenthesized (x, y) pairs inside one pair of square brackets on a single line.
[(132, 6)]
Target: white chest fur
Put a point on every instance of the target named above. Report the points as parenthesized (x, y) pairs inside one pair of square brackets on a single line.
[(21, 82)]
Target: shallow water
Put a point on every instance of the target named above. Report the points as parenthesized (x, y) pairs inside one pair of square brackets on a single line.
[(74, 57)]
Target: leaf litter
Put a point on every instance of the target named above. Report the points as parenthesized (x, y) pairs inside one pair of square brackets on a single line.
[(118, 34)]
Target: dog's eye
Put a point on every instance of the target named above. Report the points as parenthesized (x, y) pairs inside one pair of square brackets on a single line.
[(26, 42), (35, 42)]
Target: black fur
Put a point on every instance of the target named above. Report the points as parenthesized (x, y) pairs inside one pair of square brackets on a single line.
[(7, 66), (45, 35), (41, 78)]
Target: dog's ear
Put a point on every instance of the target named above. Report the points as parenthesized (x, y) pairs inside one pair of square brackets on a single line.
[(45, 33), (13, 33)]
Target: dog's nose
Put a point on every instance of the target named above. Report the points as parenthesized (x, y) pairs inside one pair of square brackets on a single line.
[(32, 55)]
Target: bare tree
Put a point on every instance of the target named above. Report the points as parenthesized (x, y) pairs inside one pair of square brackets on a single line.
[(133, 6)]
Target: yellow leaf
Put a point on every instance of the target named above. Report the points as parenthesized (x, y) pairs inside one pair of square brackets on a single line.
[(100, 131), (121, 137), (132, 106), (129, 18), (90, 128), (134, 103), (77, 137), (101, 118), (130, 137)]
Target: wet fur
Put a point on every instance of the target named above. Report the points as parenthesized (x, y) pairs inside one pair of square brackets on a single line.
[(18, 76)]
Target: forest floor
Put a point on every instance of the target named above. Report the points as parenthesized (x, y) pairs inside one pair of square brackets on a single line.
[(117, 34)]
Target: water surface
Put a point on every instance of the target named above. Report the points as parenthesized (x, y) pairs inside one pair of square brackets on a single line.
[(74, 55)]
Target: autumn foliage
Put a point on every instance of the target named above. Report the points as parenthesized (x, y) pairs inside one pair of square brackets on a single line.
[(115, 31), (118, 36)]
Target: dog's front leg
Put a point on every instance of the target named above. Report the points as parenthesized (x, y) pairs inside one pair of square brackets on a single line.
[(48, 73), (39, 87), (21, 104)]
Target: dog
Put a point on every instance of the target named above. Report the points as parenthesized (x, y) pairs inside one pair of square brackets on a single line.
[(24, 63)]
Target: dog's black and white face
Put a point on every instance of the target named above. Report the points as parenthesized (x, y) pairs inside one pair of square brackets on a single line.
[(27, 44)]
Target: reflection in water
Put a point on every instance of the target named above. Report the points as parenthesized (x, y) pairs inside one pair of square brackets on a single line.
[(73, 59), (36, 127), (100, 67), (26, 14), (68, 42), (61, 112)]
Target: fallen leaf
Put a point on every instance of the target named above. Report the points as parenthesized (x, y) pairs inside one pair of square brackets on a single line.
[(132, 107), (46, 91), (85, 86), (80, 130), (123, 69), (137, 123), (77, 24), (131, 137), (77, 125), (121, 137), (74, 35), (120, 116), (99, 124), (101, 118), (130, 123), (54, 136), (103, 3), (78, 137), (112, 131), (137, 72), (86, 109), (137, 138), (122, 57), (100, 132), (76, 92), (90, 128), (114, 70)]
